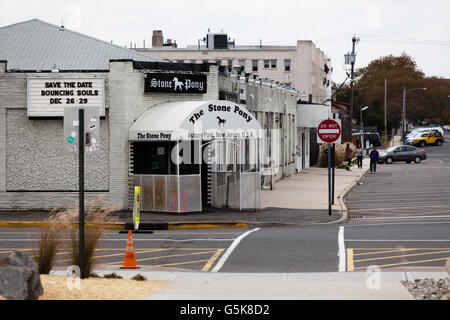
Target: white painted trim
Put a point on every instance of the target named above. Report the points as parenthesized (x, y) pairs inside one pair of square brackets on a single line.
[(341, 254), (225, 256)]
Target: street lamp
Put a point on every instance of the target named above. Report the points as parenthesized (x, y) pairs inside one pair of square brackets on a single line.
[(404, 107), (361, 125)]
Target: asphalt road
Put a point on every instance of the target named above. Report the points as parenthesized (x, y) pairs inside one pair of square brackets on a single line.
[(177, 250)]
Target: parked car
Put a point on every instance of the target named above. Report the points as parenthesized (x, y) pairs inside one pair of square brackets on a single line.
[(402, 153), (432, 137), (372, 137), (416, 131)]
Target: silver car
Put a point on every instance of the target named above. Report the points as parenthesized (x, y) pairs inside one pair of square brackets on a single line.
[(402, 153)]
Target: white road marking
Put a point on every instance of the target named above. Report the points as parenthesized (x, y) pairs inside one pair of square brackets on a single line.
[(396, 224), (341, 254), (410, 217), (396, 240), (227, 253)]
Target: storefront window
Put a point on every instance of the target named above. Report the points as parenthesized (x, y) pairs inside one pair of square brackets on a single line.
[(153, 158)]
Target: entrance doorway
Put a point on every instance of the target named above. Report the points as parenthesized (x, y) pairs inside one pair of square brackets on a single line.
[(303, 150), (206, 173)]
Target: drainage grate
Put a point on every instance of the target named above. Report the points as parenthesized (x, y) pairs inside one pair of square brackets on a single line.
[(356, 216)]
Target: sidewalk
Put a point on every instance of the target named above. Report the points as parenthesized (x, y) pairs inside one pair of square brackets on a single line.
[(301, 199), (308, 189), (277, 286)]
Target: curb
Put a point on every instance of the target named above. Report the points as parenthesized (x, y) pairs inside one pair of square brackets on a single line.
[(344, 210), (129, 226), (42, 224), (186, 225)]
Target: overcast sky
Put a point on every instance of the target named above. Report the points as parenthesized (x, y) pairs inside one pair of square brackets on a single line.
[(419, 28)]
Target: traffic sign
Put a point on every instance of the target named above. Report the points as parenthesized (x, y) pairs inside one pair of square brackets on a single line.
[(137, 207), (329, 131)]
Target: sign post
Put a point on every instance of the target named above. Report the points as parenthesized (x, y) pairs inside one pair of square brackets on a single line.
[(329, 131), (81, 189), (77, 139)]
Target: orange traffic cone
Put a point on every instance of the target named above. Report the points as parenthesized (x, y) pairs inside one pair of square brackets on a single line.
[(129, 262)]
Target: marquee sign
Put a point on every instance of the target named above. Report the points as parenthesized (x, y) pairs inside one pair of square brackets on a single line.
[(175, 83), (47, 97)]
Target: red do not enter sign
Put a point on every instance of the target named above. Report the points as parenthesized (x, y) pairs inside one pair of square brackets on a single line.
[(329, 131)]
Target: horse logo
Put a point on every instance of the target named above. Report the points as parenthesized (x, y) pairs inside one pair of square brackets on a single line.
[(221, 121), (178, 84)]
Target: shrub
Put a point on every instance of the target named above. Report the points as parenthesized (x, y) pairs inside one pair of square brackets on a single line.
[(45, 254), (139, 277), (112, 276), (96, 213), (339, 154)]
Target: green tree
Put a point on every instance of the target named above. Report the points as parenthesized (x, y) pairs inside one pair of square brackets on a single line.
[(400, 71)]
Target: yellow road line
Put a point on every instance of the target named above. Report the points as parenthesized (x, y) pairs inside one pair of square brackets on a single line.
[(402, 256), (212, 260), (175, 255), (169, 256), (179, 263), (387, 251), (165, 265), (111, 255), (404, 263), (176, 226), (350, 264)]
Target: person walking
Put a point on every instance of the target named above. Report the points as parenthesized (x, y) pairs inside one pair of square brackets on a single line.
[(374, 156), (359, 156), (348, 156)]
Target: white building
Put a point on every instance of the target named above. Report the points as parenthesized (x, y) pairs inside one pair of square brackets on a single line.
[(303, 67)]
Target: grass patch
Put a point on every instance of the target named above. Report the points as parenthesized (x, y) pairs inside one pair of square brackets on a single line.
[(112, 276), (45, 254), (139, 277), (97, 212)]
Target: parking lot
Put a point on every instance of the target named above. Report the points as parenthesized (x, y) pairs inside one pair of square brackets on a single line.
[(402, 189), (400, 216)]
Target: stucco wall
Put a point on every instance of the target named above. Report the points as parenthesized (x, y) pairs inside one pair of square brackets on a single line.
[(36, 160)]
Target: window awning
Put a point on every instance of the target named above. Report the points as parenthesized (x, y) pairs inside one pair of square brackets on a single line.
[(187, 120)]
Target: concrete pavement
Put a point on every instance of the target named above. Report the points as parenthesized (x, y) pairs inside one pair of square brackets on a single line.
[(278, 286), (308, 189)]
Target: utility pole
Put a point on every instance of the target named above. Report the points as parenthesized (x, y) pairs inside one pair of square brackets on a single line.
[(351, 85), (351, 58), (385, 111), (404, 112)]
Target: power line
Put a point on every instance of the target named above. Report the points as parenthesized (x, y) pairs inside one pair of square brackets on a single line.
[(381, 38)]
